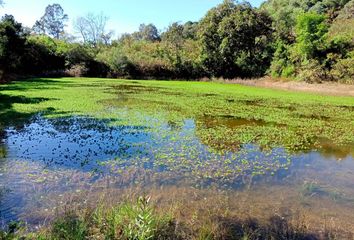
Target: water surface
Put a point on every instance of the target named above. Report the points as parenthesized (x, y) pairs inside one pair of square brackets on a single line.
[(43, 160)]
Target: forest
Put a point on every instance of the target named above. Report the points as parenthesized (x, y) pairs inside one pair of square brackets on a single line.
[(307, 40)]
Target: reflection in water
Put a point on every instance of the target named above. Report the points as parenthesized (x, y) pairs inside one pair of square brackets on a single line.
[(86, 144), (53, 157), (231, 122), (329, 149), (3, 151), (77, 142)]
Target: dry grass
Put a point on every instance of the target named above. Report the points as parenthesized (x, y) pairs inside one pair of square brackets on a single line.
[(325, 88)]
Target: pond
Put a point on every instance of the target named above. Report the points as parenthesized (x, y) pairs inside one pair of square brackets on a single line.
[(164, 150)]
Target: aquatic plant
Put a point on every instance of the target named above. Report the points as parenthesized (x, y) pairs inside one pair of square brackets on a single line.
[(67, 134)]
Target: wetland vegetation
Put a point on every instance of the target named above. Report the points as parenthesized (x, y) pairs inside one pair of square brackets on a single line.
[(73, 147), (88, 152)]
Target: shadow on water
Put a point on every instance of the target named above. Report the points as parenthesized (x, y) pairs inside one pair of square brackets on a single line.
[(81, 143), (10, 116), (34, 83), (231, 121)]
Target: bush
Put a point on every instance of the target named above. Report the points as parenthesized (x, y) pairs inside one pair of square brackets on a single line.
[(77, 70), (343, 70), (312, 72), (288, 71), (42, 56)]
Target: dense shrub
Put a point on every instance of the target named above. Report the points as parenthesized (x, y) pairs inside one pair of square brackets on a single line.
[(12, 46), (343, 70), (42, 56), (236, 41), (308, 40)]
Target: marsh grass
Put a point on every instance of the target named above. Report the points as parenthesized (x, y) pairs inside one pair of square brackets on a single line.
[(141, 220)]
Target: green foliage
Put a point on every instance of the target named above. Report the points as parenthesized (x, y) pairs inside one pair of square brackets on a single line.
[(147, 33), (173, 57), (210, 227), (12, 232), (310, 31), (306, 39), (235, 40), (311, 40), (181, 50), (133, 221), (285, 13), (314, 52), (42, 55), (140, 220), (305, 58), (281, 65), (69, 227), (343, 70), (343, 28), (12, 45)]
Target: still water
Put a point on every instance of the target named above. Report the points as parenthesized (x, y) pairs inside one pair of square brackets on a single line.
[(44, 159)]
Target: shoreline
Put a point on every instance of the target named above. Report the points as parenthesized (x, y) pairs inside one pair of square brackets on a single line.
[(325, 88)]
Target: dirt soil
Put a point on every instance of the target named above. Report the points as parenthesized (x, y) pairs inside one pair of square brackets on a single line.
[(327, 88)]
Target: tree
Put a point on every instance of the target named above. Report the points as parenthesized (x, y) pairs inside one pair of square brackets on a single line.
[(12, 45), (285, 12), (43, 55), (310, 31), (190, 30), (174, 33), (92, 29), (173, 39), (210, 40), (147, 33), (181, 31), (236, 40), (53, 21)]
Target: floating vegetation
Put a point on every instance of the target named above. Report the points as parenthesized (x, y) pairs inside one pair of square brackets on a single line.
[(88, 144), (72, 134)]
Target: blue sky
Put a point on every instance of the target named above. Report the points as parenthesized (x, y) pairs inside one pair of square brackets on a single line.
[(124, 15)]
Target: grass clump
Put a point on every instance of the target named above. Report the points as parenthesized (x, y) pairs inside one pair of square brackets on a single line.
[(69, 227), (139, 220), (130, 221), (136, 221)]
